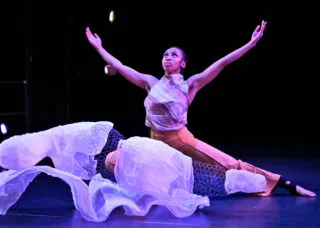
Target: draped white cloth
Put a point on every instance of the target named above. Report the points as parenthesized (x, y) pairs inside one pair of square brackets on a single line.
[(148, 172), (72, 148)]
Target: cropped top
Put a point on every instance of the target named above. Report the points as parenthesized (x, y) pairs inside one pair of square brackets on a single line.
[(167, 104)]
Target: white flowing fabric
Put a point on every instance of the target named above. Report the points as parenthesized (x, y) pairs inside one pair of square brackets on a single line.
[(72, 148), (148, 172), (158, 171)]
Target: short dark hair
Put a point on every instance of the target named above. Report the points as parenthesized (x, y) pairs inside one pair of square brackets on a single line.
[(184, 55)]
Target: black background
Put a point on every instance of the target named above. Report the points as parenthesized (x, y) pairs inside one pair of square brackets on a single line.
[(268, 97)]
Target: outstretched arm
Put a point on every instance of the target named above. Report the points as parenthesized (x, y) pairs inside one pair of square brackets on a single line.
[(198, 81), (144, 81)]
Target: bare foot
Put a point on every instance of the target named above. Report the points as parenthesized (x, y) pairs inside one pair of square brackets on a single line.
[(304, 192)]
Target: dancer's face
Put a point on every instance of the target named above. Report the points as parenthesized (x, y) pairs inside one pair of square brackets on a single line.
[(173, 61)]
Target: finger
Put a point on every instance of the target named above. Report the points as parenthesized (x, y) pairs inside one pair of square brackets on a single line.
[(257, 28), (263, 26), (88, 30)]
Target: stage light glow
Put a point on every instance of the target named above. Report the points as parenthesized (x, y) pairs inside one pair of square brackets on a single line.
[(111, 16), (3, 128), (109, 70), (106, 70)]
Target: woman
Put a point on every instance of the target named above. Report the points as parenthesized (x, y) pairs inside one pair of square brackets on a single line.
[(168, 101)]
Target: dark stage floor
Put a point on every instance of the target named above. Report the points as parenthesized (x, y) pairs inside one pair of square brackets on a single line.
[(47, 202)]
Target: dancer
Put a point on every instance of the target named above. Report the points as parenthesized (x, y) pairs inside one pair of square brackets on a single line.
[(168, 101)]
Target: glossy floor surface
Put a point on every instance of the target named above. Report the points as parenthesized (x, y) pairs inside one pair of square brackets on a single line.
[(47, 202)]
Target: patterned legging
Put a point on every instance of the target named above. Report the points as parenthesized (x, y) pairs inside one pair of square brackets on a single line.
[(208, 178), (112, 143)]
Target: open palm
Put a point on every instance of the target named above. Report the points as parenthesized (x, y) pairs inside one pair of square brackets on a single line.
[(94, 40), (258, 32)]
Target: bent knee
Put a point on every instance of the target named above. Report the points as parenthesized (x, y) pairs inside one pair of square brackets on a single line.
[(111, 160), (235, 164)]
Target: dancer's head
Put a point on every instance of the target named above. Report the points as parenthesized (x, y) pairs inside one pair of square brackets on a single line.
[(174, 60)]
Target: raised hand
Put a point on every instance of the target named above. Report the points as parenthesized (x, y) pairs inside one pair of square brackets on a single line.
[(258, 32), (94, 40)]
